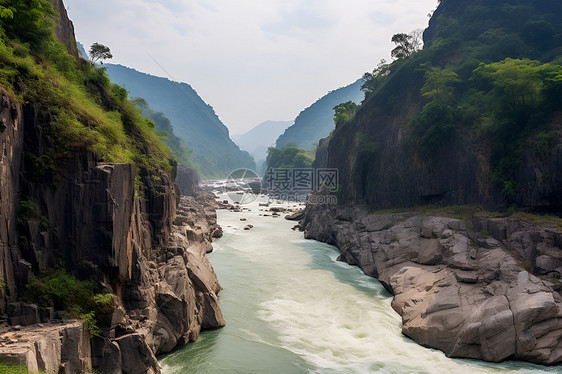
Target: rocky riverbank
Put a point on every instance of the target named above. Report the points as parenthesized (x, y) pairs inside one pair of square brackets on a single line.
[(123, 227), (460, 291), (176, 297)]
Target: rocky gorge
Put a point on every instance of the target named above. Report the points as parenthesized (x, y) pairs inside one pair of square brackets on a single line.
[(124, 227), (487, 289), (165, 288)]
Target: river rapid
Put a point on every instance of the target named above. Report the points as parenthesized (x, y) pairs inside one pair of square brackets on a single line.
[(290, 307)]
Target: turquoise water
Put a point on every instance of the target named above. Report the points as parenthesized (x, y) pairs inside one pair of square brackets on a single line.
[(291, 307)]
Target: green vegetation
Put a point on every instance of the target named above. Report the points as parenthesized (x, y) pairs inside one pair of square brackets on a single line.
[(78, 106), (373, 82), (510, 102), (490, 71), (165, 130), (6, 368), (99, 52), (63, 291), (28, 210), (406, 44), (194, 121), (289, 157), (344, 112)]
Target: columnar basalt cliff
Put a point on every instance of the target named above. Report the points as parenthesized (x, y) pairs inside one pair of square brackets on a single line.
[(458, 291), (122, 226), (147, 251)]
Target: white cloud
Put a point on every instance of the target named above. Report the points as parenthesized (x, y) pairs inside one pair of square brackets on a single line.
[(252, 60)]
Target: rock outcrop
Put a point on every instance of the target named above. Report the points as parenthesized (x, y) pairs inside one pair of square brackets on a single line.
[(378, 153), (65, 28), (124, 227), (134, 241), (58, 348), (11, 146), (187, 180), (165, 293), (458, 291)]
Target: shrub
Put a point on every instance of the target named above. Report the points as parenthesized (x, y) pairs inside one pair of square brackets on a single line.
[(90, 323), (56, 287), (29, 210)]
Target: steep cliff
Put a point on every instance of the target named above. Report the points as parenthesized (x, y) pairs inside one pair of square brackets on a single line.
[(473, 118), (87, 188), (441, 128)]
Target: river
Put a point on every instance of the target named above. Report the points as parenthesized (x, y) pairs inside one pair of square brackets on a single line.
[(291, 307)]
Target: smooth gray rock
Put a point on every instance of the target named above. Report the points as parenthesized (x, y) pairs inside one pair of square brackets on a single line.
[(136, 355), (467, 297), (20, 313)]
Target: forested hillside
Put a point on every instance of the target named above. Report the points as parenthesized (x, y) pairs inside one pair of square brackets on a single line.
[(474, 117), (194, 121), (260, 138), (316, 121)]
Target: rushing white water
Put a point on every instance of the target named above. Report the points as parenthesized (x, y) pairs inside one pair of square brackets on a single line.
[(291, 307)]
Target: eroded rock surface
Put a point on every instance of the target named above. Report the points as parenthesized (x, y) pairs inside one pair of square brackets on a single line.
[(125, 227), (456, 291), (56, 348), (167, 301)]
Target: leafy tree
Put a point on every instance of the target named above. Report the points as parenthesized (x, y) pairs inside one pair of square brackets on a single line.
[(436, 121), (6, 12), (438, 83), (406, 44), (99, 52), (432, 126), (372, 81), (288, 157), (521, 95), (344, 112), (517, 83)]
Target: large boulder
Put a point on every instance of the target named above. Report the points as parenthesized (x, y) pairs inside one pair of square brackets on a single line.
[(456, 290)]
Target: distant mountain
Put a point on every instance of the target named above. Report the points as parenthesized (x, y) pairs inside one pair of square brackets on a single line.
[(257, 140), (82, 51), (164, 128), (316, 121), (193, 120)]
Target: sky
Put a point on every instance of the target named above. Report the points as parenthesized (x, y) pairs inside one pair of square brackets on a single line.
[(251, 60)]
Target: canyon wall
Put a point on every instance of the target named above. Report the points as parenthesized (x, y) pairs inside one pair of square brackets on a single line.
[(126, 229)]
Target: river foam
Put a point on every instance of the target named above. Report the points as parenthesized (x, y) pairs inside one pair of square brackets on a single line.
[(291, 307)]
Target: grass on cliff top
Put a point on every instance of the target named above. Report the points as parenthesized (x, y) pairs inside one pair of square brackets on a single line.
[(77, 105), (466, 212), (542, 220), (462, 212)]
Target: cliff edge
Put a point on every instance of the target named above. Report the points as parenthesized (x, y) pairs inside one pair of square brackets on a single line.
[(88, 203)]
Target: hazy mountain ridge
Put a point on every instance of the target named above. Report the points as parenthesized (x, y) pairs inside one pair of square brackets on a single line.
[(316, 121), (260, 138), (193, 120)]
